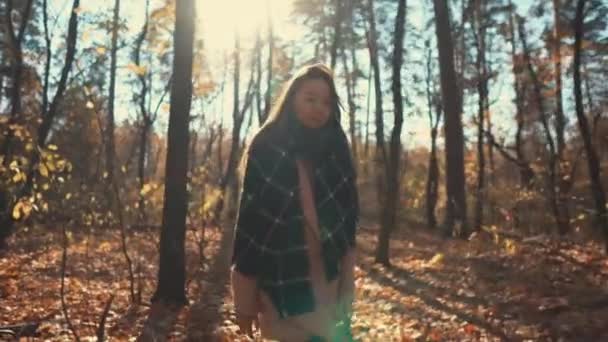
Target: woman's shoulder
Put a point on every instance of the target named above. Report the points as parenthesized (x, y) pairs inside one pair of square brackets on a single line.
[(267, 139)]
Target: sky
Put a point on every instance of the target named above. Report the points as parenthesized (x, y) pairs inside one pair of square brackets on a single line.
[(217, 21)]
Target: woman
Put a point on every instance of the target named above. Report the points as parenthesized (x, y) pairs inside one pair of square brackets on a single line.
[(294, 244)]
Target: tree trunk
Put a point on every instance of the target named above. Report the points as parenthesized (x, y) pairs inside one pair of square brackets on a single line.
[(389, 216), (110, 149), (369, 97), (562, 225), (456, 209), (560, 119), (44, 128), (351, 104), (336, 42), (593, 165), (47, 65), (267, 97), (15, 42), (432, 182), (380, 158), (258, 79), (353, 82), (563, 183), (482, 103), (146, 122), (238, 115), (172, 267), (525, 178)]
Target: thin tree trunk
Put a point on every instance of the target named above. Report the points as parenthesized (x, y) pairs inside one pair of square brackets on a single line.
[(456, 208), (5, 216), (482, 96), (593, 165), (432, 182), (351, 104), (560, 119), (110, 149), (172, 267), (238, 115), (336, 42), (258, 79), (563, 183), (15, 42), (47, 65), (525, 176), (389, 216), (380, 158), (552, 192), (354, 81), (369, 97), (267, 97), (146, 123)]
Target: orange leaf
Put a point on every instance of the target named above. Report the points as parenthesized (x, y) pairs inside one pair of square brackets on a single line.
[(470, 329)]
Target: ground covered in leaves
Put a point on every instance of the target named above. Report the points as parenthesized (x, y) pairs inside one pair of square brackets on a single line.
[(494, 287)]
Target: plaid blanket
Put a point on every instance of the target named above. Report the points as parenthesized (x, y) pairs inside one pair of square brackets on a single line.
[(269, 241)]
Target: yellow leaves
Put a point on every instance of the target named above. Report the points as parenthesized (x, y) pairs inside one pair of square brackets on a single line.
[(145, 189), (510, 246), (436, 261), (43, 170), (79, 10), (19, 177), (22, 209), (165, 12), (101, 50), (52, 147), (138, 70), (203, 88)]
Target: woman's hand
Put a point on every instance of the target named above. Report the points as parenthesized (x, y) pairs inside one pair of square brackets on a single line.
[(247, 323)]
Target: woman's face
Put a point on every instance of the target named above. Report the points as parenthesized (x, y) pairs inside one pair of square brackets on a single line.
[(313, 103)]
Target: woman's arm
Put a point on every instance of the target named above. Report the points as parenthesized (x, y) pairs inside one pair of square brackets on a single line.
[(244, 293)]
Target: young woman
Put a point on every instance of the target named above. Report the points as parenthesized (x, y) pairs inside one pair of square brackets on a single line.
[(294, 244)]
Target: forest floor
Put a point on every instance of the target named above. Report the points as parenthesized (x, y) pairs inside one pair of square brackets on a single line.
[(494, 287)]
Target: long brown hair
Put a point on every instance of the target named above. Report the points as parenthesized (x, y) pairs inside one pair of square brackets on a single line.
[(276, 122), (284, 103)]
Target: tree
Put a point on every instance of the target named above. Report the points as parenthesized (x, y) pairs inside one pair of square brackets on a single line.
[(48, 117), (552, 187), (456, 208), (337, 37), (110, 149), (479, 30), (593, 165), (389, 215), (560, 122), (172, 268), (238, 116), (380, 156), (434, 106), (15, 49)]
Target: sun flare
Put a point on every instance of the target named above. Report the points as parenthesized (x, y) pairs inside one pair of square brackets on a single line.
[(218, 21)]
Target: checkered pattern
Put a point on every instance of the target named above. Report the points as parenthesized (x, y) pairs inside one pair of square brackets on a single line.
[(269, 241)]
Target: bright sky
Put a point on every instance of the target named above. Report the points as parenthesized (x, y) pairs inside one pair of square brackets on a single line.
[(218, 20)]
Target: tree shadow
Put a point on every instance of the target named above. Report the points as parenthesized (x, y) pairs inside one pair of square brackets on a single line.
[(528, 295), (408, 284)]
